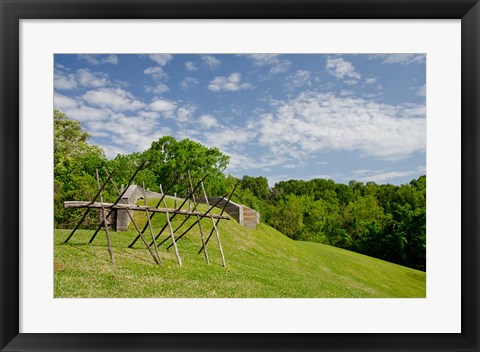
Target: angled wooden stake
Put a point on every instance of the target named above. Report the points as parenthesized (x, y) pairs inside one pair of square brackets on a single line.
[(88, 209), (105, 223), (202, 215), (198, 219), (158, 205), (180, 207), (221, 213), (133, 221), (179, 260), (149, 222), (119, 197), (215, 228)]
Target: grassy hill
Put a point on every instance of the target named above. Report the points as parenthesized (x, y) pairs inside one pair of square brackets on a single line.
[(260, 263)]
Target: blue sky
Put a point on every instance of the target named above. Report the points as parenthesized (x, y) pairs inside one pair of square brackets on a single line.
[(292, 116)]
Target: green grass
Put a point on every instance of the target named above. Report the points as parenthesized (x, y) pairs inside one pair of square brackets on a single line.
[(260, 263)]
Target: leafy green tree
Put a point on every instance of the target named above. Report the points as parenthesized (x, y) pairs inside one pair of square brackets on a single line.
[(170, 159), (71, 143), (258, 186), (75, 161)]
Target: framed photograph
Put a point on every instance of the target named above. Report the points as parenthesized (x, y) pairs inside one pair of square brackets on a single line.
[(239, 175)]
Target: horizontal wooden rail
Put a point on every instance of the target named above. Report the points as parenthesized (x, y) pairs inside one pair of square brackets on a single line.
[(99, 205)]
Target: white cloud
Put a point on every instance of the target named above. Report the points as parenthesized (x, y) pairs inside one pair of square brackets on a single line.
[(63, 102), (344, 92), (342, 70), (229, 84), (422, 91), (382, 176), (111, 151), (111, 59), (370, 80), (86, 113), (314, 122), (161, 59), (273, 61), (244, 162), (96, 59), (211, 61), (114, 98), (189, 66), (91, 79), (125, 134), (185, 113), (149, 114), (64, 81), (163, 105), (226, 136), (81, 78), (156, 72), (207, 121), (188, 82), (298, 79), (158, 89), (403, 59)]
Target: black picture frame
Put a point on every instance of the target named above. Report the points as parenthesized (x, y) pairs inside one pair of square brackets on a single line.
[(14, 10)]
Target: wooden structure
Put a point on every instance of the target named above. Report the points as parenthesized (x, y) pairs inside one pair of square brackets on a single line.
[(119, 219), (244, 215), (125, 205)]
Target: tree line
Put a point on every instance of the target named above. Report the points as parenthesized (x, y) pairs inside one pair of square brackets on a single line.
[(383, 221)]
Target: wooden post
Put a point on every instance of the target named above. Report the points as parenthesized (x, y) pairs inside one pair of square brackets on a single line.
[(133, 222), (202, 215), (171, 231), (180, 207), (149, 223), (221, 213), (119, 197), (105, 223), (88, 209), (198, 219), (215, 228), (175, 196), (153, 213)]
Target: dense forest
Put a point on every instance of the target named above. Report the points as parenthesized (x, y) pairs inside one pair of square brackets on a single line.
[(384, 221)]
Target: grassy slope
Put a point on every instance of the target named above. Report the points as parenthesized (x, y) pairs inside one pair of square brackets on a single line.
[(260, 263)]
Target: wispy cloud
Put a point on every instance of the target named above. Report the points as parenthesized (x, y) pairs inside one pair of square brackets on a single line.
[(157, 73), (314, 122), (403, 59), (82, 78), (163, 105), (91, 79), (231, 83), (189, 66), (158, 89), (188, 82), (65, 81), (274, 62), (210, 61), (96, 59), (422, 91), (207, 121), (342, 70), (114, 98), (298, 79), (383, 176), (161, 59)]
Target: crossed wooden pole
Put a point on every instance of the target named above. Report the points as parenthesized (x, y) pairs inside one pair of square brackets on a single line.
[(170, 214)]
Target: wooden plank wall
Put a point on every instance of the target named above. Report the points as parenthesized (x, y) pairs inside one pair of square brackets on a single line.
[(244, 215)]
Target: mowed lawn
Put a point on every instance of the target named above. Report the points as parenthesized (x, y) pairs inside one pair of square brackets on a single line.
[(260, 263)]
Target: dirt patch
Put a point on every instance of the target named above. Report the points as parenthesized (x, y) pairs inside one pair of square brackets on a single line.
[(58, 266)]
